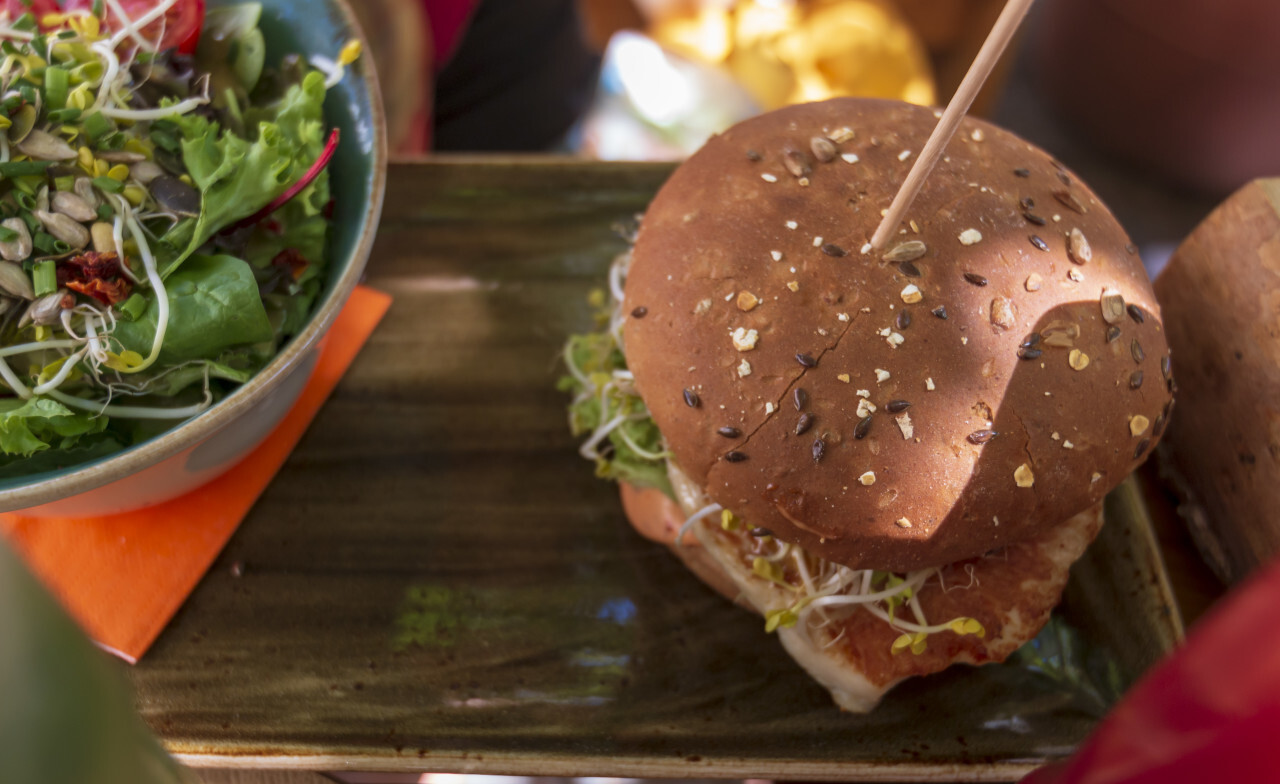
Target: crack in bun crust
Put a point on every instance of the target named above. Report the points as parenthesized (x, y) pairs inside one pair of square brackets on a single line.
[(755, 286)]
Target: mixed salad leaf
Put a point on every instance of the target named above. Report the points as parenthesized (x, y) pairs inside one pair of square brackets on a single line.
[(163, 202)]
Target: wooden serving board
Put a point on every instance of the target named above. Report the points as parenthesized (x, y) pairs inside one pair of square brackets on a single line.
[(437, 582)]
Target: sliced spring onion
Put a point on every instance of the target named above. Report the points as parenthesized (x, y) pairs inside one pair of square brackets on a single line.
[(133, 307), (96, 126), (22, 168), (108, 184), (56, 85), (45, 277)]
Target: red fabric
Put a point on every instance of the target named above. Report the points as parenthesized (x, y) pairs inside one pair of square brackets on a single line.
[(446, 21), (1210, 712)]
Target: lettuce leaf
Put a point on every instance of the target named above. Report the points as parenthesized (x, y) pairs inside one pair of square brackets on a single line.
[(37, 424), (237, 177)]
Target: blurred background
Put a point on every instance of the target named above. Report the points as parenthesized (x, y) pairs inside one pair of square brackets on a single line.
[(1163, 106)]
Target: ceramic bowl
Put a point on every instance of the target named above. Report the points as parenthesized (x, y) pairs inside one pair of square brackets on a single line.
[(205, 446)]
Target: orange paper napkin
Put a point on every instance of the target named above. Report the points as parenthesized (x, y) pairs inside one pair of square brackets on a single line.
[(123, 576)]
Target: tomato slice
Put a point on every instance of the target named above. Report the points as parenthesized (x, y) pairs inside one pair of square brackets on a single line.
[(178, 28)]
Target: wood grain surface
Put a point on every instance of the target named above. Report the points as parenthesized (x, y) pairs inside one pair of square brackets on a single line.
[(437, 582)]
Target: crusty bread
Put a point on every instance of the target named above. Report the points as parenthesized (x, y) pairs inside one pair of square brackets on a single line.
[(765, 213), (1221, 291)]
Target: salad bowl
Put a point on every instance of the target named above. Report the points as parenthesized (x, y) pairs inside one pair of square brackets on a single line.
[(194, 451)]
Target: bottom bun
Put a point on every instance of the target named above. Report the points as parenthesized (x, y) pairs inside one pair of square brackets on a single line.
[(847, 648)]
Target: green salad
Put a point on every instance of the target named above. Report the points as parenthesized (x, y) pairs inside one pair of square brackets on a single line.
[(163, 220)]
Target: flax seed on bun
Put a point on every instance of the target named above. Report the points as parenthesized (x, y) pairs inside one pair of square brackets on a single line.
[(994, 370)]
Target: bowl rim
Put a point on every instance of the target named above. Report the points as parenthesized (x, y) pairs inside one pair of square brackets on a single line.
[(195, 430)]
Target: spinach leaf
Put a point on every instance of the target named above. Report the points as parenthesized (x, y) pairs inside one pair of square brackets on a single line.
[(213, 305)]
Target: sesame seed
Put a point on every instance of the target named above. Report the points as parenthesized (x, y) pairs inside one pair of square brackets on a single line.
[(817, 241), (769, 408), (929, 385), (792, 225), (903, 522), (1068, 445), (849, 157), (767, 177), (905, 154), (976, 135), (865, 249), (776, 254)]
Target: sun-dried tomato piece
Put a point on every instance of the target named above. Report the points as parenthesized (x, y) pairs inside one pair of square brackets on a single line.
[(291, 260), (96, 275)]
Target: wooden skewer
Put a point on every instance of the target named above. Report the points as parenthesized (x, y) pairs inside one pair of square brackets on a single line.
[(997, 41)]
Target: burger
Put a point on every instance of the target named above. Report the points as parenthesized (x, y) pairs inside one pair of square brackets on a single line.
[(893, 454)]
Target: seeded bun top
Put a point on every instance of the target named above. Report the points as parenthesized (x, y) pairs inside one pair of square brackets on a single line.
[(997, 368)]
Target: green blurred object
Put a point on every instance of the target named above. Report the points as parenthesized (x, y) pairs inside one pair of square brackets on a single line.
[(66, 716)]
